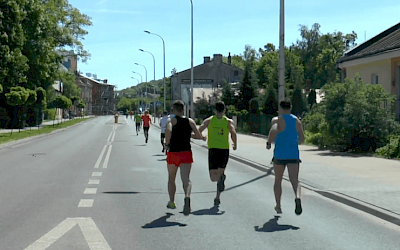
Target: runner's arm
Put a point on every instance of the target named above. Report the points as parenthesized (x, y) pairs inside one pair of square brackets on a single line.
[(205, 124), (300, 131), (232, 130), (168, 130), (197, 134)]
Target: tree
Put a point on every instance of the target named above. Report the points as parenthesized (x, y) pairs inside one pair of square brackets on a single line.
[(299, 105), (61, 102), (248, 88), (17, 98), (227, 94), (271, 102), (319, 53), (70, 88), (13, 63)]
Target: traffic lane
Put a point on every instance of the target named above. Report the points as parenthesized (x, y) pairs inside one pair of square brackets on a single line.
[(40, 192), (131, 210)]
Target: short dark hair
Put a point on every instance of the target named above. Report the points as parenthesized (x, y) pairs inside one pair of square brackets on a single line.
[(285, 104), (165, 113), (220, 106), (178, 105)]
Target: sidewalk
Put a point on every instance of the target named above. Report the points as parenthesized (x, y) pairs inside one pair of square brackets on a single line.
[(370, 181), (41, 125)]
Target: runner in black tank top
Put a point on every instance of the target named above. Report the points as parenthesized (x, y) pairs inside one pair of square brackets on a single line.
[(180, 136), (179, 154)]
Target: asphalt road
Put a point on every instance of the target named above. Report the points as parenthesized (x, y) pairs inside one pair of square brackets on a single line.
[(53, 197)]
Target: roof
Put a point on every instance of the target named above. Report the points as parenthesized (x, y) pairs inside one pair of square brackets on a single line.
[(201, 65), (386, 41)]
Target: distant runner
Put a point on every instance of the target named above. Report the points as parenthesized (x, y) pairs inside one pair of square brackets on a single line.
[(287, 132), (179, 154), (163, 125), (138, 121), (146, 124), (219, 127), (130, 114)]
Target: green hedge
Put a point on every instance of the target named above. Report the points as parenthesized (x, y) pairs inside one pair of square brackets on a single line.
[(50, 114)]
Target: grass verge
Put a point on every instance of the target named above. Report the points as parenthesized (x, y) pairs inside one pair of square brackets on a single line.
[(8, 137)]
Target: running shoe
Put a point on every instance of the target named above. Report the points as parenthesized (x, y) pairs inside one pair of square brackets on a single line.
[(186, 207), (147, 140), (217, 201), (171, 205), (221, 183), (163, 149), (278, 210), (298, 209)]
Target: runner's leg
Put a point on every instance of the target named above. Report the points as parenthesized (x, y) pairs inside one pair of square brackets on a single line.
[(172, 170), (293, 170), (185, 173), (279, 170), (187, 185)]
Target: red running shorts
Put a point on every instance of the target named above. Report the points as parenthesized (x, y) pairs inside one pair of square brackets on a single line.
[(178, 158)]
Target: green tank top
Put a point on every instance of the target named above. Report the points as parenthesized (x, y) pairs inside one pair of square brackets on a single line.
[(218, 133), (138, 118)]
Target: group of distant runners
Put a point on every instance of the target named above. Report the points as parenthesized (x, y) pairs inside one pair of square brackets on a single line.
[(177, 131)]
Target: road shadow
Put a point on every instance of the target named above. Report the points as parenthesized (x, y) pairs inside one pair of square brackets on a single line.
[(211, 211), (140, 145), (273, 226), (159, 155), (162, 159), (250, 181), (162, 222)]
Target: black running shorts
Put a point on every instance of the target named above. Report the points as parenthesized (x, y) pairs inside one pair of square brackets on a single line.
[(285, 162), (217, 158), (146, 129), (162, 136)]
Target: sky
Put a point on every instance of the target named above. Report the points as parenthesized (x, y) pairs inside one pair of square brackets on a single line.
[(220, 27)]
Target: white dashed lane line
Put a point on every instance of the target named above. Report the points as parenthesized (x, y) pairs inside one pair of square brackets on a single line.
[(86, 203), (90, 191), (94, 182), (97, 174)]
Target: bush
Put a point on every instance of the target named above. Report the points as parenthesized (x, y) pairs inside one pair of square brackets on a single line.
[(392, 149), (352, 117), (50, 114), (198, 121)]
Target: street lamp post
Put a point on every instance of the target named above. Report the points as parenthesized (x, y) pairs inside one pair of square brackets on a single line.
[(144, 69), (141, 79), (281, 87), (146, 76), (163, 63), (154, 67), (191, 69)]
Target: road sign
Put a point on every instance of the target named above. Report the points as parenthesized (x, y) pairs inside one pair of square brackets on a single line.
[(92, 234)]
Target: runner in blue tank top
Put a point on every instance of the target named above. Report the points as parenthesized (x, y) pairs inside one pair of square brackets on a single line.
[(287, 133)]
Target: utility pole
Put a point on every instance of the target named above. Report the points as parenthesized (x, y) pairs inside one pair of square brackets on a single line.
[(281, 85)]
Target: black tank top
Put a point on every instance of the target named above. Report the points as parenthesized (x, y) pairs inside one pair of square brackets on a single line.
[(180, 136)]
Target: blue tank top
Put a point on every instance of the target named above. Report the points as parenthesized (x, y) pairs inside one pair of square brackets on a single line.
[(286, 142)]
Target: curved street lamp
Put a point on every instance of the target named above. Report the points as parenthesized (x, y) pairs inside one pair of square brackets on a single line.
[(141, 79), (163, 64), (144, 69), (154, 66)]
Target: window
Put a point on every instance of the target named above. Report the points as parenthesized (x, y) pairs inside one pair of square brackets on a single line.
[(374, 79)]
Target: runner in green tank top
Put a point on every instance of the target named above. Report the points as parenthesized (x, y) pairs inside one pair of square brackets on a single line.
[(219, 126)]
